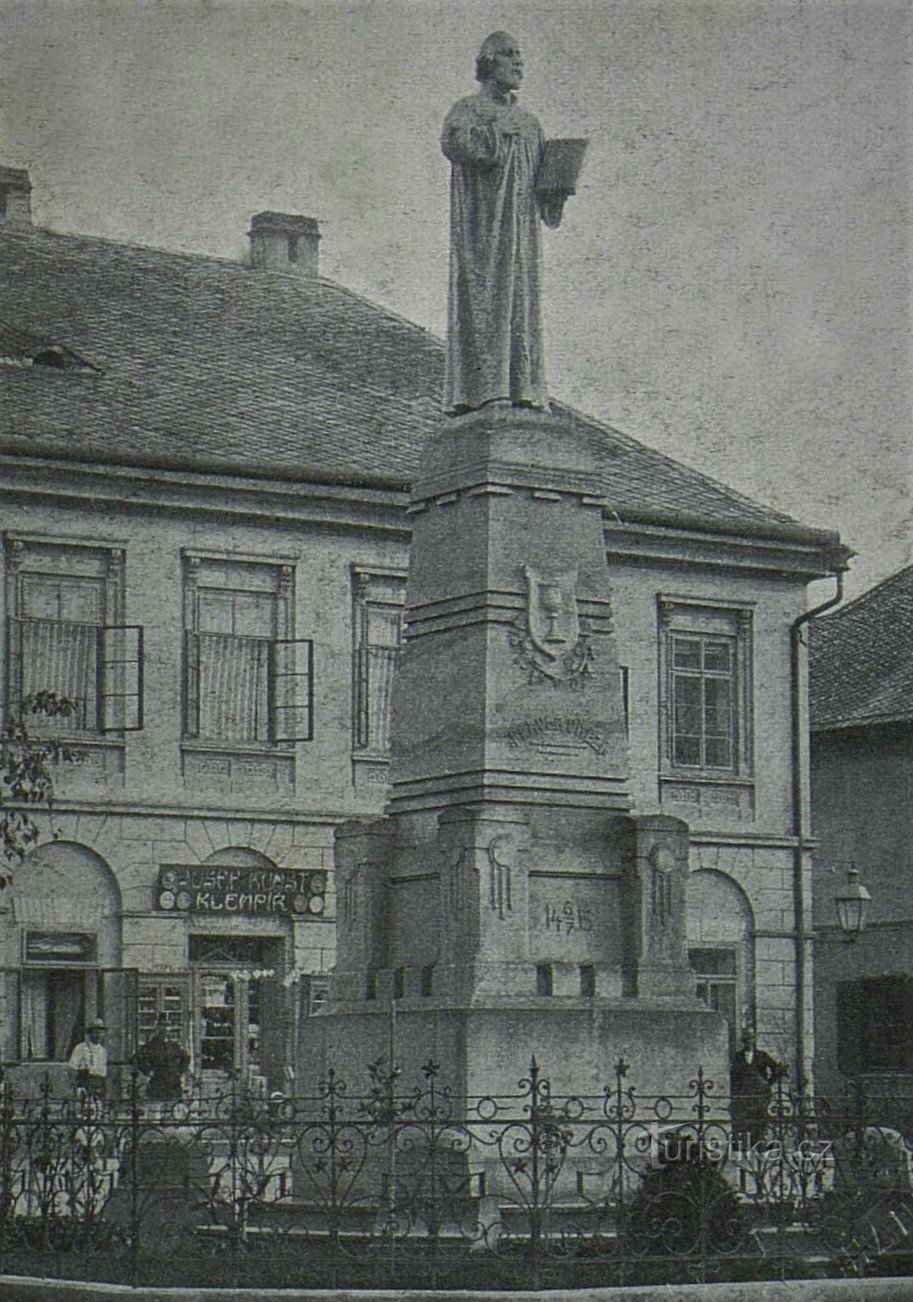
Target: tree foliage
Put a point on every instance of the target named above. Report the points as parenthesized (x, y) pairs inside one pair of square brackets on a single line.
[(26, 776)]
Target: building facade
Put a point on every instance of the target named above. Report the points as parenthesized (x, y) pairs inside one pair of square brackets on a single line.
[(862, 798), (205, 472)]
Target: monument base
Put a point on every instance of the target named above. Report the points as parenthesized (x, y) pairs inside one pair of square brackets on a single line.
[(510, 907)]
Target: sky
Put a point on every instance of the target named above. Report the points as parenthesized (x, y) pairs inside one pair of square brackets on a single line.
[(731, 284)]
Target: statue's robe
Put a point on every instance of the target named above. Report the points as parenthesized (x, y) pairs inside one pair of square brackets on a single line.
[(494, 329)]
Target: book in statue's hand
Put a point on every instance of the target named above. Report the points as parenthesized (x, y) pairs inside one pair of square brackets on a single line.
[(561, 164)]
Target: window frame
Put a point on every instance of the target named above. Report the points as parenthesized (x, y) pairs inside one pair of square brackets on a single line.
[(200, 573), (681, 617), (62, 558), (372, 588)]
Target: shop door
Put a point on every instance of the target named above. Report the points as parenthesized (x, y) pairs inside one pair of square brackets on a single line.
[(228, 1029)]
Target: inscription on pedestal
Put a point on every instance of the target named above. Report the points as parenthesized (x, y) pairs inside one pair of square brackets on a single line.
[(565, 734)]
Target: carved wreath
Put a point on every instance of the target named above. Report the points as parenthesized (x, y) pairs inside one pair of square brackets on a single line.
[(573, 667)]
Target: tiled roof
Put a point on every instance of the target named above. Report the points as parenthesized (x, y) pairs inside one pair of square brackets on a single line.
[(204, 364), (861, 666)]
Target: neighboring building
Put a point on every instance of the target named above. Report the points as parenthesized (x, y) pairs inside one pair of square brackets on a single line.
[(204, 471), (861, 686)]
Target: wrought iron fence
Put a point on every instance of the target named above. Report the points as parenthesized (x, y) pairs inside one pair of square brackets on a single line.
[(410, 1184)]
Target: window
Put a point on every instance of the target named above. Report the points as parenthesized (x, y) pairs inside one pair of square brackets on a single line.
[(587, 980), (47, 1008), (378, 621), (544, 980), (705, 673), (716, 984), (399, 982), (427, 980), (702, 700), (65, 635), (23, 348), (246, 681), (875, 1025), (168, 995)]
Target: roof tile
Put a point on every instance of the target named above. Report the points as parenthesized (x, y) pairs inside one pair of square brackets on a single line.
[(203, 363)]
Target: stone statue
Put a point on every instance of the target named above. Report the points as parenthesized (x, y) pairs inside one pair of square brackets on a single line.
[(494, 329)]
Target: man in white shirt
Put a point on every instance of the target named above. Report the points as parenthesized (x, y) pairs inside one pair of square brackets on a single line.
[(90, 1060)]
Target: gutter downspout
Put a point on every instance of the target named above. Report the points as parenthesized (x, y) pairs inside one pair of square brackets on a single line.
[(799, 811)]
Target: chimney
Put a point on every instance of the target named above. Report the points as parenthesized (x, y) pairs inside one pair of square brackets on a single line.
[(280, 241), (15, 195)]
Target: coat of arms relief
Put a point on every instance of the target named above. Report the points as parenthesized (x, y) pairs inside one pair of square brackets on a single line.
[(549, 638)]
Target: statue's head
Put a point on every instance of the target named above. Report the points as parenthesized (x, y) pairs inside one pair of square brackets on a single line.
[(500, 61)]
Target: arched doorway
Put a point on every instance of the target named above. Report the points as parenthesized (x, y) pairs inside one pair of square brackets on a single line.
[(720, 933), (67, 909)]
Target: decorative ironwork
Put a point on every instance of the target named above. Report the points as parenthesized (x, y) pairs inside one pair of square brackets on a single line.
[(383, 1182)]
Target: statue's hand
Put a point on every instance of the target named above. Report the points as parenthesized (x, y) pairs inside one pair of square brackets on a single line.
[(551, 206)]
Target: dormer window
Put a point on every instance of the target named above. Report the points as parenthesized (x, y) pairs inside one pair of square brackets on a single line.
[(23, 348)]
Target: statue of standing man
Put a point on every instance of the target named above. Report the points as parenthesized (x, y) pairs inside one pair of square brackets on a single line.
[(494, 329)]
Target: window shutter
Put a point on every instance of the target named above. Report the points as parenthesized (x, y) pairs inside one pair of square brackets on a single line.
[(291, 689), (362, 689), (120, 678), (119, 1006), (11, 1020), (191, 684), (851, 1019)]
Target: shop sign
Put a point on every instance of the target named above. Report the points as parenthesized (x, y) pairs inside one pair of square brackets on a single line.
[(269, 892), (59, 947)]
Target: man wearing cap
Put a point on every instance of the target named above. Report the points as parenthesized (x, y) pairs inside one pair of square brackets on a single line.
[(90, 1060)]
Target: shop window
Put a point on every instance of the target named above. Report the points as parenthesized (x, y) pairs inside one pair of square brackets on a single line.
[(705, 678), (158, 995), (66, 636), (247, 681), (378, 622), (875, 1025)]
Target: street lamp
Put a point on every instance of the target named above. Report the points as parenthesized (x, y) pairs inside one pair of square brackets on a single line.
[(852, 905)]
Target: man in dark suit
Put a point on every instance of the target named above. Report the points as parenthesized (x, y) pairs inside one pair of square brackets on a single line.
[(163, 1060), (753, 1073)]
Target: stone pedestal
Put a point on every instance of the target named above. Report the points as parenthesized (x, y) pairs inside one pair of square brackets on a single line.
[(510, 903)]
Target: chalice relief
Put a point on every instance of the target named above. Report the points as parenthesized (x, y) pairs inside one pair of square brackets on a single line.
[(552, 611), (551, 599)]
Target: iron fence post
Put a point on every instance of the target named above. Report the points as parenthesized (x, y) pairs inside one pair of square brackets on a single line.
[(135, 1223), (620, 1071)]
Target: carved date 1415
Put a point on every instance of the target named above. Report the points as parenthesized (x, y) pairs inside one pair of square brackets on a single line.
[(568, 917)]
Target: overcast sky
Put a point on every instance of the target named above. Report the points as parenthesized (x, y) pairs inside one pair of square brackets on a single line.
[(730, 285)]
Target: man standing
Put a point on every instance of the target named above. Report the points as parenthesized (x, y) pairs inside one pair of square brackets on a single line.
[(494, 327), (753, 1074), (89, 1060), (163, 1060)]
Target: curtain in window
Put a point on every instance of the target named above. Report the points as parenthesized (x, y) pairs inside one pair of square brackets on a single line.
[(381, 664), (234, 687), (61, 658), (34, 1014), (67, 1013), (379, 654)]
